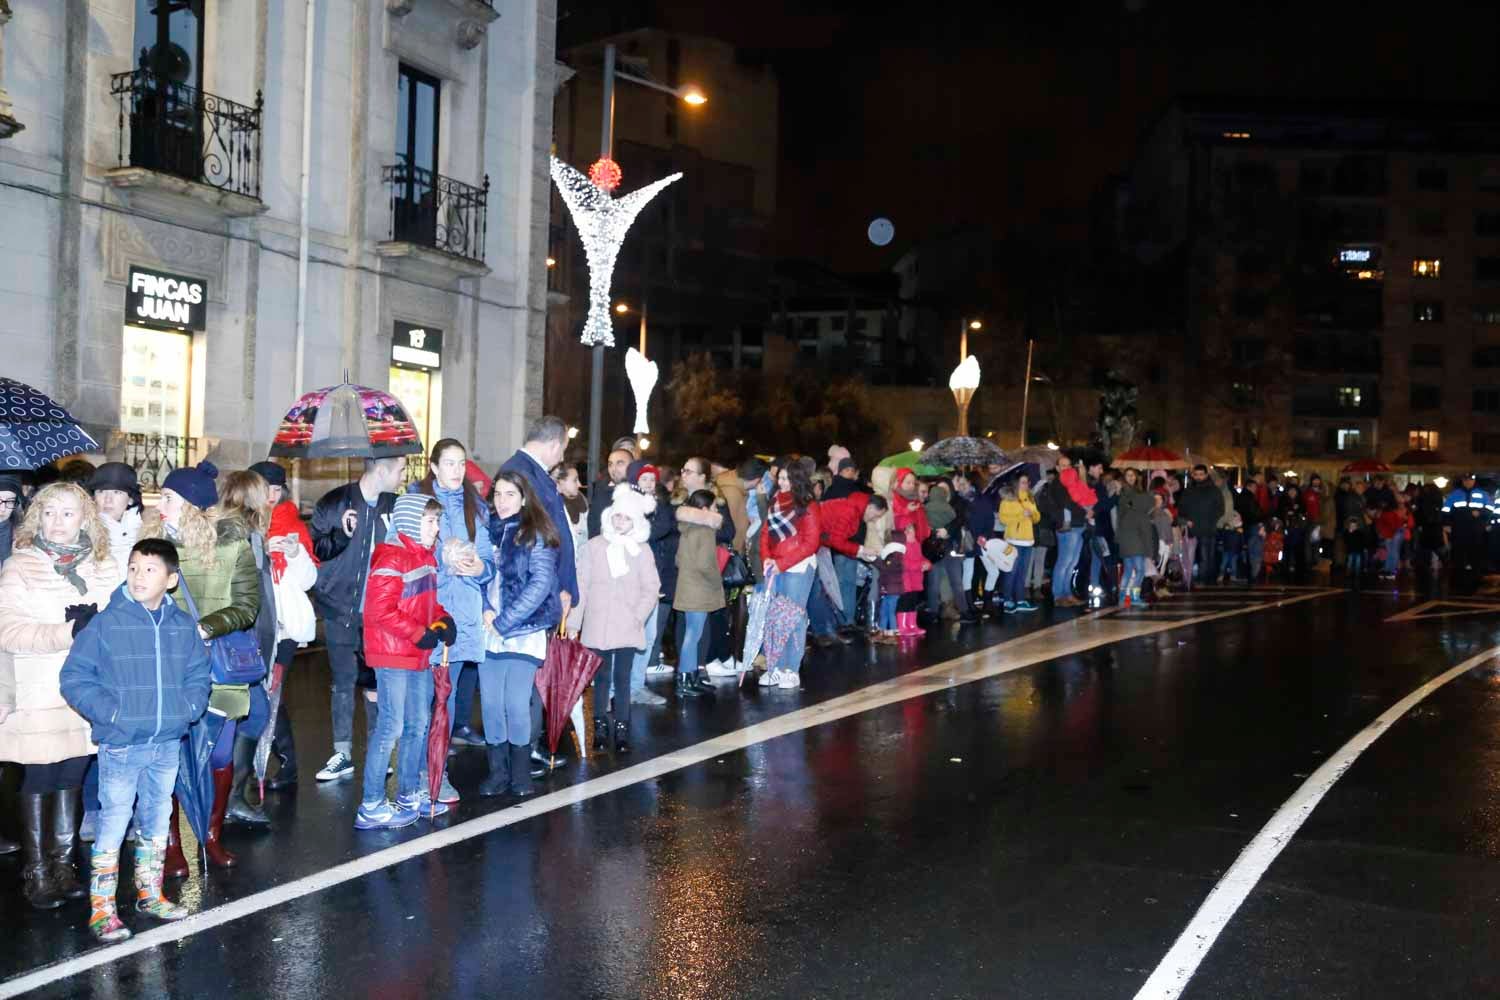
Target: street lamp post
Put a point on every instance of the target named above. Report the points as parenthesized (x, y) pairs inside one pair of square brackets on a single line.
[(965, 378)]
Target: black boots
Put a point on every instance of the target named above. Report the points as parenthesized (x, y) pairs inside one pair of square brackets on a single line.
[(284, 749), (622, 738), (497, 782), (36, 877), (693, 685), (601, 735), (67, 811), (240, 810), (520, 771)]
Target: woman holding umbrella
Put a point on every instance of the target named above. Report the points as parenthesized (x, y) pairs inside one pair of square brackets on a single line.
[(521, 607), (789, 554)]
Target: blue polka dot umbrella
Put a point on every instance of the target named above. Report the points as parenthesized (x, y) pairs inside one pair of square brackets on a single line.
[(34, 430)]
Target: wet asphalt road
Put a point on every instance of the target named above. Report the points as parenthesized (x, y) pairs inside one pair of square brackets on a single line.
[(1042, 833)]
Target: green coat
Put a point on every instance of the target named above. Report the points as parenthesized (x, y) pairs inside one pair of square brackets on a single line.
[(699, 585), (227, 593)]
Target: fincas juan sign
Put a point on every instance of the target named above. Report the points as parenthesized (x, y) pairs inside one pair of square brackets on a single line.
[(165, 301)]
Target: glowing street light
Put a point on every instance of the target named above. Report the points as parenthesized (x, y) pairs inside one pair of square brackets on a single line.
[(1052, 445), (692, 95), (621, 309), (551, 263), (645, 443), (963, 382), (572, 433), (916, 444)]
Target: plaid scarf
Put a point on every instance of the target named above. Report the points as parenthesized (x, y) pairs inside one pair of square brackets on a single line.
[(65, 558), (784, 517)]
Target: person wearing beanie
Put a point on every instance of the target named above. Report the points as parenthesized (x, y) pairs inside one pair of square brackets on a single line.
[(664, 537), (403, 624), (117, 495), (12, 497)]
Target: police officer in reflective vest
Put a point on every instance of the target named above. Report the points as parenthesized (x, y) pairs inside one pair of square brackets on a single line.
[(1467, 512)]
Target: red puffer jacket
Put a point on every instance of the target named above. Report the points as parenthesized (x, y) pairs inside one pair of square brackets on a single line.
[(797, 546), (400, 602), (840, 521)]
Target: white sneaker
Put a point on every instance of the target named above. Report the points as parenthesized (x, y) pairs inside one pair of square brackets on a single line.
[(771, 678), (790, 680), (660, 670), (722, 668), (645, 696), (340, 765)]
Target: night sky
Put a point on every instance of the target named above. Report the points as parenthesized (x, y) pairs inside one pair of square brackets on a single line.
[(1011, 115)]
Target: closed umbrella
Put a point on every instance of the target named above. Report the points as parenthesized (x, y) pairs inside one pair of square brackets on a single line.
[(569, 668), (346, 421), (195, 767), (34, 430), (1366, 467), (783, 619), (755, 626), (438, 734), (956, 451)]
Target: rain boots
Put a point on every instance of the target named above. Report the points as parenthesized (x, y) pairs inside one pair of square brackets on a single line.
[(601, 735), (36, 877), (104, 885), (906, 625), (520, 770), (223, 785), (622, 738), (67, 811), (176, 864), (243, 771), (502, 763), (149, 858), (284, 749)]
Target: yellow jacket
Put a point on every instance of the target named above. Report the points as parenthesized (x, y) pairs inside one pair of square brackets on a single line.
[(1017, 516)]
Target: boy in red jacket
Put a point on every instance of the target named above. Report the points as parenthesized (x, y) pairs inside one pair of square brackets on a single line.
[(403, 622)]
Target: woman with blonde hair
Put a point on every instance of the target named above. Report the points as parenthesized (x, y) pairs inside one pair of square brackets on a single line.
[(59, 574)]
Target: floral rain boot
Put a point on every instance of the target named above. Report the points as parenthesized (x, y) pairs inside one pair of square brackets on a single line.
[(104, 884), (150, 857)]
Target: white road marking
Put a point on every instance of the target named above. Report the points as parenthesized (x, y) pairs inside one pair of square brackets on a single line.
[(1467, 606), (1064, 639), (1172, 975)]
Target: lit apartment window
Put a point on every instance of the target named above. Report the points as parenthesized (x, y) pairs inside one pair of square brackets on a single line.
[(1427, 312), (1349, 397), (1426, 267), (1427, 440), (1347, 438)]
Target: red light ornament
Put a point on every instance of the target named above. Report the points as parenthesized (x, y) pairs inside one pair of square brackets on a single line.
[(605, 174)]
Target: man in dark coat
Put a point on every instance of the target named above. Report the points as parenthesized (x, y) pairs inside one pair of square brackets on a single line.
[(602, 491), (1200, 505)]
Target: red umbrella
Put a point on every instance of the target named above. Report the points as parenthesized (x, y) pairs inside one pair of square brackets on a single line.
[(438, 733), (1151, 457), (1419, 456), (1367, 466), (568, 669)]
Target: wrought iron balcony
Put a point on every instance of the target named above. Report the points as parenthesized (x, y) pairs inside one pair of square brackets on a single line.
[(153, 456), (179, 130), (431, 210)]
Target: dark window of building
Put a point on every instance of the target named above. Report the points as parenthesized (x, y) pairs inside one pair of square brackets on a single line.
[(1487, 224), (1359, 175), (1487, 400), (1430, 222), (1154, 373), (1487, 357), (838, 322), (1248, 350), (169, 41), (861, 324), (1432, 178), (1427, 312), (1487, 269), (1427, 355), (1489, 178), (809, 326), (417, 118), (1249, 304), (1486, 443), (1426, 397), (1487, 315)]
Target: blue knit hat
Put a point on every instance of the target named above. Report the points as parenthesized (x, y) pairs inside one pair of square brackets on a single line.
[(407, 514), (195, 485), (272, 473)]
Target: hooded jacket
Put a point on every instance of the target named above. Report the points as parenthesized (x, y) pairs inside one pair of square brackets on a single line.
[(612, 610), (1133, 530), (136, 679), (1018, 517), (700, 586), (400, 604)]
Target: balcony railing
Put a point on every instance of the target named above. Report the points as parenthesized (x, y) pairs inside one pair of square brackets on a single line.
[(436, 211), (153, 456), (180, 130)]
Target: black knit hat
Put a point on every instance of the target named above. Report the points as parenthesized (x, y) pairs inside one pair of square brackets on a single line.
[(272, 473), (114, 476)]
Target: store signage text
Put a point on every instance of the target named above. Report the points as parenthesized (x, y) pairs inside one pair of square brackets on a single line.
[(167, 301), (417, 346)]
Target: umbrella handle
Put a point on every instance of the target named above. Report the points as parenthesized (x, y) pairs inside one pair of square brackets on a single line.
[(446, 647)]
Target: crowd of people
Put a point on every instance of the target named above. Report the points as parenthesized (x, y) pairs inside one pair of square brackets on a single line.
[(124, 628)]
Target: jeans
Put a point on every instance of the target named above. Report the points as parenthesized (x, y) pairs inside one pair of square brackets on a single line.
[(614, 666), (343, 665), (822, 616), (1135, 572), (951, 567), (1069, 547), (846, 568), (252, 725), (888, 604), (795, 587), (405, 713), (1013, 587), (1392, 555), (1255, 550), (505, 686), (655, 625), (1208, 556), (461, 708), (135, 779), (1354, 565), (692, 634), (1037, 574)]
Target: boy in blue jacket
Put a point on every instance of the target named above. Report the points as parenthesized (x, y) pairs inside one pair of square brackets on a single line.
[(139, 672)]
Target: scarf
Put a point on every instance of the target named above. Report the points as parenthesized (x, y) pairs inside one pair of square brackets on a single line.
[(65, 557), (784, 517), (620, 551)]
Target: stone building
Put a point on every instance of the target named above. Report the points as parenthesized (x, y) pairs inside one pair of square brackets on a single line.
[(201, 220)]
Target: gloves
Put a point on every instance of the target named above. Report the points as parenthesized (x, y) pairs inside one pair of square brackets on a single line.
[(430, 638), (450, 630), (80, 615)]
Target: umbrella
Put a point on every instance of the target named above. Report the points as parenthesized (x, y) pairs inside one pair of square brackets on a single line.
[(783, 618), (569, 668), (346, 421), (439, 731), (1151, 457), (195, 766), (957, 451), (1366, 466), (828, 578), (268, 734), (1042, 457), (1419, 456), (913, 460), (34, 430)]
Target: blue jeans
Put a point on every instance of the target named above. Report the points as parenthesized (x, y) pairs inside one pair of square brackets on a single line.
[(405, 713), (653, 629), (1393, 555), (822, 616), (135, 779), (846, 569), (795, 587), (687, 653), (505, 685), (1135, 572), (1354, 565), (1255, 550), (1069, 547), (888, 604), (1013, 587)]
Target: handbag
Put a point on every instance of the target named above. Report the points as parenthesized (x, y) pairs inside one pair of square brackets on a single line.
[(735, 570), (234, 658)]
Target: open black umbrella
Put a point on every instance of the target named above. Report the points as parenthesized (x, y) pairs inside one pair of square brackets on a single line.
[(958, 451), (34, 430)]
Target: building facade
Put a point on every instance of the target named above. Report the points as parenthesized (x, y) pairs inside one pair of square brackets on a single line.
[(202, 221)]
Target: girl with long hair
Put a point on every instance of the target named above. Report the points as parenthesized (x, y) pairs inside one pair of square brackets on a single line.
[(789, 554)]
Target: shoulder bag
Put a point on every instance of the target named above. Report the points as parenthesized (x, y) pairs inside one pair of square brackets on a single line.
[(235, 657)]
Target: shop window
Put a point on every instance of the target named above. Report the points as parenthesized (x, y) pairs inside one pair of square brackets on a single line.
[(156, 376), (1427, 267), (1426, 355), (1427, 312), (1424, 439), (1426, 397), (1432, 178)]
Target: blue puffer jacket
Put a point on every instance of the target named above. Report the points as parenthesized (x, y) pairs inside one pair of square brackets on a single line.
[(462, 596), (136, 680), (527, 584)]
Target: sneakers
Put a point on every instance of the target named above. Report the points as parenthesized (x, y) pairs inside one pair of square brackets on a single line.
[(771, 678), (339, 766), (660, 670), (1025, 606), (423, 804), (447, 794), (643, 696), (383, 815), (1008, 608), (790, 680), (722, 668)]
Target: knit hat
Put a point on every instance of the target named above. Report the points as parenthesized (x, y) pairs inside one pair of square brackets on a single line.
[(630, 503), (639, 468), (195, 485), (272, 473), (407, 514), (114, 476)]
